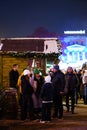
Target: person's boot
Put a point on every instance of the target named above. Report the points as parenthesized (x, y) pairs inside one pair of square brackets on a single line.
[(67, 109), (72, 110)]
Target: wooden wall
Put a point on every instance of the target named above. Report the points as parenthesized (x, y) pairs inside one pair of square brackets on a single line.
[(7, 64)]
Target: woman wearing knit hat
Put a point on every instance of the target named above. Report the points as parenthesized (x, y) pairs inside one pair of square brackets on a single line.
[(37, 84), (27, 91), (36, 71), (71, 84)]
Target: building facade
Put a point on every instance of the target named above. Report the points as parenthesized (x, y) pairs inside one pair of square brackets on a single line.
[(74, 51)]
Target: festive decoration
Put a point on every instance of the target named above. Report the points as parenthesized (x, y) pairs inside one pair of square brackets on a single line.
[(32, 55), (46, 53)]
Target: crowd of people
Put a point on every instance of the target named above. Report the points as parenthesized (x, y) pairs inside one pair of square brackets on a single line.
[(41, 97)]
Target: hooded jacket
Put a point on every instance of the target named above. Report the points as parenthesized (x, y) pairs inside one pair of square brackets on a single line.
[(47, 90)]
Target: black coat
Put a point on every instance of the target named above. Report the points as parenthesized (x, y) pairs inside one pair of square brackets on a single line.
[(47, 92), (58, 82), (39, 85), (13, 78), (27, 89), (71, 81)]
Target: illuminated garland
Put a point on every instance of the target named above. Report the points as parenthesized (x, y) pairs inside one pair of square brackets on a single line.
[(35, 54), (38, 55), (28, 54)]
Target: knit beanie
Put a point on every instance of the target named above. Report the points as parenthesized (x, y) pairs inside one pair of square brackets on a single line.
[(36, 71), (56, 67), (26, 72)]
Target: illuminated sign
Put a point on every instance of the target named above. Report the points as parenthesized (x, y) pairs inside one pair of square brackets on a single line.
[(75, 32)]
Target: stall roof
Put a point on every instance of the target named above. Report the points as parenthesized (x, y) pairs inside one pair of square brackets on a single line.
[(23, 44)]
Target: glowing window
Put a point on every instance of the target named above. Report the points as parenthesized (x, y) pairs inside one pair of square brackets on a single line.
[(80, 55), (86, 55)]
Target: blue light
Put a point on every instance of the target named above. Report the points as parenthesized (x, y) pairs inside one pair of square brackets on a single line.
[(74, 50)]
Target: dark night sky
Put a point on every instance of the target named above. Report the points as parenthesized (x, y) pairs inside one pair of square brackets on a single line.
[(20, 18)]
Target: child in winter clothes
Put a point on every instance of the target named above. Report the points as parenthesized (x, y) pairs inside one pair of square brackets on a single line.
[(47, 99)]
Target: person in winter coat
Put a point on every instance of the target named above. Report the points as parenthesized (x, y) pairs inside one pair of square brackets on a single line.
[(80, 92), (58, 82), (26, 101), (71, 84), (13, 76), (84, 81), (19, 87), (37, 85), (47, 99)]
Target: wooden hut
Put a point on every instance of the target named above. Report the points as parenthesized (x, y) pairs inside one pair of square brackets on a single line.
[(24, 51)]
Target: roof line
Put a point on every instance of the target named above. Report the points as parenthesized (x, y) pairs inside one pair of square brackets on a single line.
[(47, 38)]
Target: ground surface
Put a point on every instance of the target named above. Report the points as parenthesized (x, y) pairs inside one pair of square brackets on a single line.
[(76, 121)]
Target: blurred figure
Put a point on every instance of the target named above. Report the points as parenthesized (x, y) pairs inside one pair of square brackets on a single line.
[(58, 82), (37, 85), (51, 73), (47, 99), (20, 88), (84, 79), (80, 84), (26, 101), (71, 82), (77, 87), (13, 76)]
